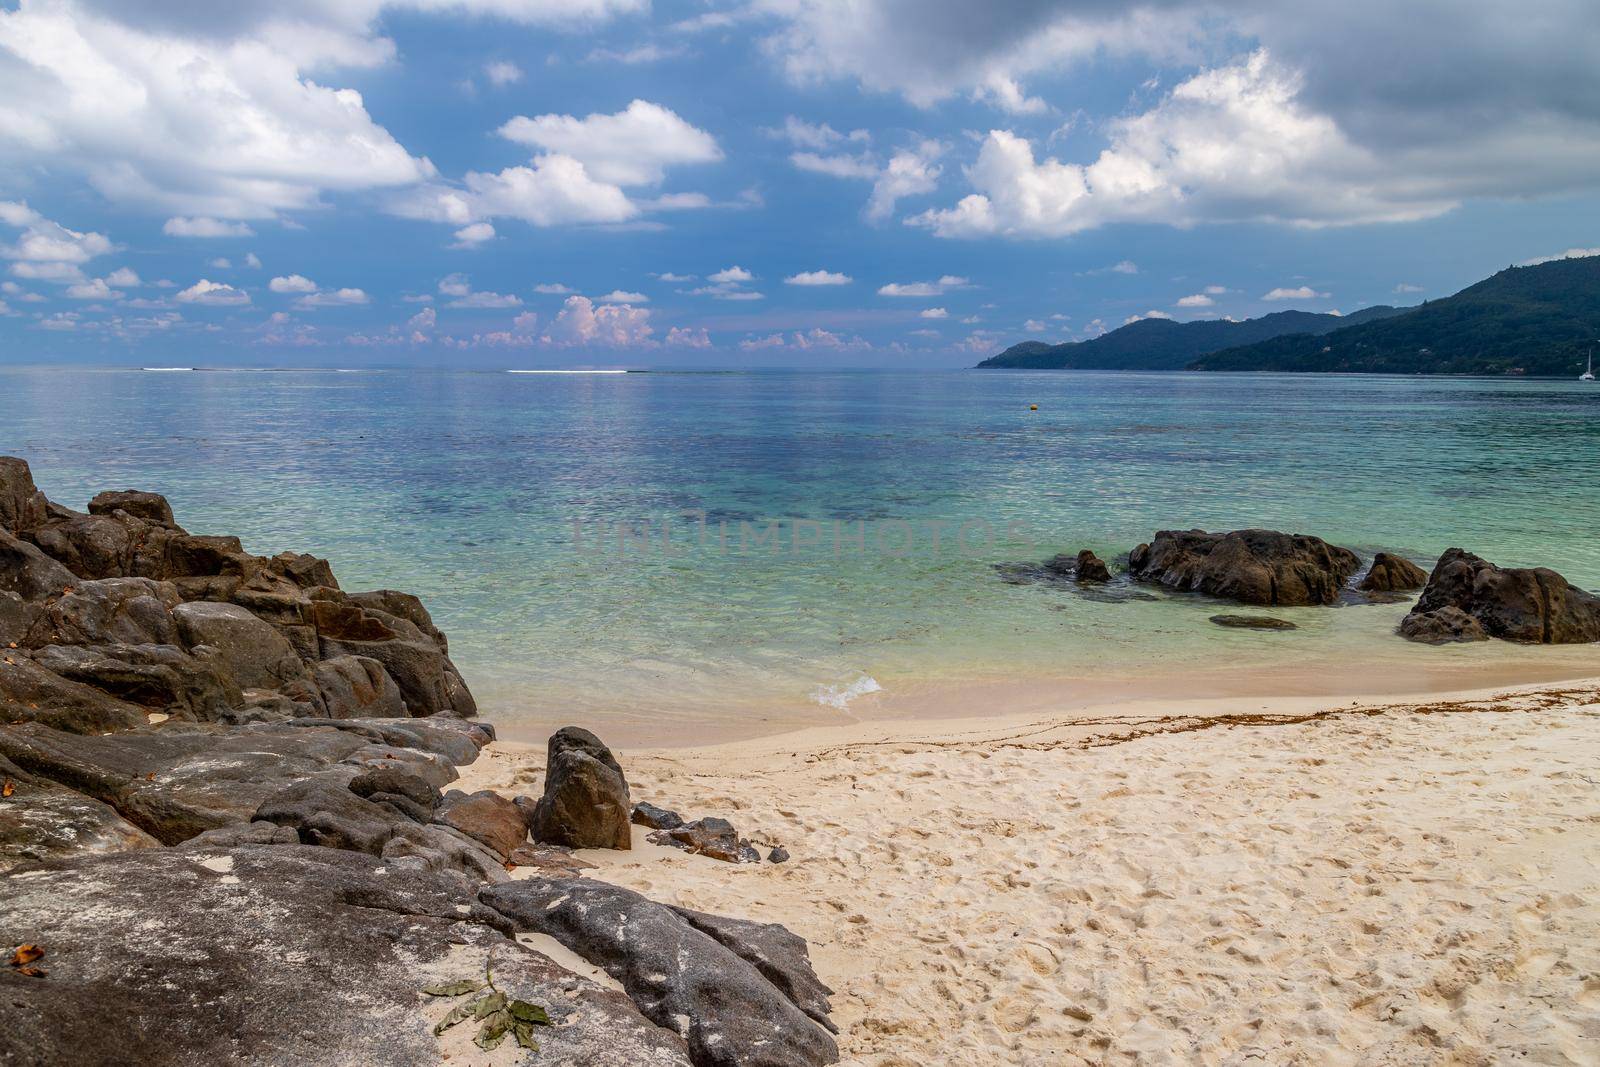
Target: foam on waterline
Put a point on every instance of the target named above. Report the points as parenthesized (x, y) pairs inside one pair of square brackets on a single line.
[(840, 696)]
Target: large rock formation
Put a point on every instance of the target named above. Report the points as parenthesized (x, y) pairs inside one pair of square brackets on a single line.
[(194, 628), (1534, 605), (1251, 566), (281, 955)]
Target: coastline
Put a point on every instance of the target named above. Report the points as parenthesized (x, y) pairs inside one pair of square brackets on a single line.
[(1295, 878)]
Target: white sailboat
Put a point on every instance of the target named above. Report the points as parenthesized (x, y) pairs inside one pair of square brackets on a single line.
[(1588, 375)]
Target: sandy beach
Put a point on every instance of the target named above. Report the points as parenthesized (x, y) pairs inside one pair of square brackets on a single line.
[(1243, 880)]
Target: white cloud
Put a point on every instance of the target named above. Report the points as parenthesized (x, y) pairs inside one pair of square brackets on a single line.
[(934, 313), (909, 173), (552, 289), (333, 298), (554, 191), (682, 337), (422, 321), (1034, 326), (669, 276), (502, 72), (1151, 314), (292, 283), (1005, 94), (455, 285), (818, 277), (751, 344), (486, 300), (122, 278), (581, 323), (217, 111), (213, 294), (731, 276), (938, 288), (1195, 300), (644, 53), (1571, 253), (1407, 287), (204, 226), (252, 261), (46, 250), (473, 235), (1300, 292), (221, 263), (739, 294), (820, 338), (94, 289), (861, 166), (818, 137), (621, 296), (632, 147)]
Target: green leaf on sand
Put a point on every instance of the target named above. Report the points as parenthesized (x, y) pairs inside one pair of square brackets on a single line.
[(494, 1030), (524, 1012), (454, 989), (524, 1034), (490, 1004), (458, 1014)]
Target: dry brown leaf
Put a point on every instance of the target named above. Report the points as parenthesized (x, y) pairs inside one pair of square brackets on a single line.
[(32, 972), (26, 954), (9, 788)]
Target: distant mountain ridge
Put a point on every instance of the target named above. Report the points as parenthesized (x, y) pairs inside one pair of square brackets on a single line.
[(1162, 344), (1537, 320)]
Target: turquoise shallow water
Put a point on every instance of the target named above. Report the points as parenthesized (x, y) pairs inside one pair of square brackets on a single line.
[(466, 488)]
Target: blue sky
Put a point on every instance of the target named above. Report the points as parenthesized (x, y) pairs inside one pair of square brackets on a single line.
[(778, 183)]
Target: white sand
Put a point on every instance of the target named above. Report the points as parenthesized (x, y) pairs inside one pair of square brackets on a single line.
[(1389, 888)]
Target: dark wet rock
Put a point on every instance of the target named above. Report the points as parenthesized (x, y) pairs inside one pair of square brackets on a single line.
[(41, 820), (30, 693), (1089, 567), (151, 507), (779, 954), (486, 817), (1253, 622), (325, 812), (30, 573), (778, 855), (456, 741), (1534, 605), (404, 793), (405, 606), (279, 956), (678, 976), (645, 814), (254, 652), (22, 506), (1446, 625), (17, 617), (1251, 566), (352, 687), (708, 837), (428, 681), (1393, 574), (245, 833), (585, 802), (160, 678), (127, 611)]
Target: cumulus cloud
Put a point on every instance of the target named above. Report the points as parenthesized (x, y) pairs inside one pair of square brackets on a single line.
[(332, 298), (683, 337), (909, 172), (632, 147), (552, 289), (94, 289), (1151, 314), (938, 288), (122, 278), (1299, 292), (730, 276), (218, 111), (213, 294), (203, 226), (622, 296), (818, 277), (581, 323), (934, 313), (473, 235), (292, 283), (46, 250), (252, 261), (1571, 253), (1195, 300), (1407, 287)]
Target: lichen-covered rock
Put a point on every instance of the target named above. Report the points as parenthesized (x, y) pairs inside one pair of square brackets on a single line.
[(1534, 605), (41, 820), (678, 976), (279, 956), (585, 802), (1251, 566), (1393, 574)]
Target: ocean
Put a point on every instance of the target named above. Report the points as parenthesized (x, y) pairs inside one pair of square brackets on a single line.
[(659, 550)]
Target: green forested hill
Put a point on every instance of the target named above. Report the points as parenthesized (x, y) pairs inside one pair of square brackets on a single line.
[(1537, 320), (1161, 344)]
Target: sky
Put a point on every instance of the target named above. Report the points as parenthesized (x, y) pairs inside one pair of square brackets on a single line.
[(761, 183)]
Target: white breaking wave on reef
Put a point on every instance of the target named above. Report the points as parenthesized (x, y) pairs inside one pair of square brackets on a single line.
[(166, 368), (566, 372), (840, 696)]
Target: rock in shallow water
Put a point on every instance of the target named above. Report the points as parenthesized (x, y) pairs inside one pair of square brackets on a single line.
[(1253, 622), (1533, 605), (1393, 574), (1251, 566), (1446, 625)]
